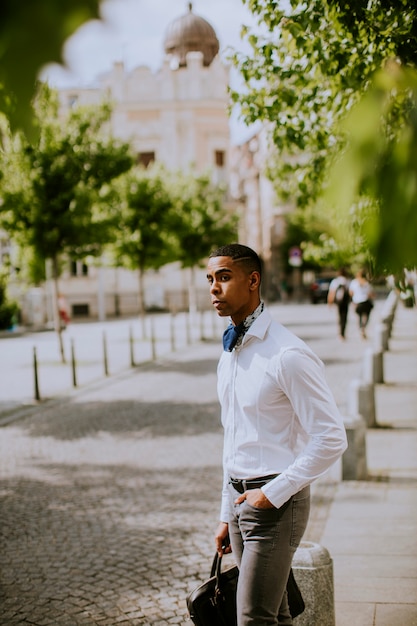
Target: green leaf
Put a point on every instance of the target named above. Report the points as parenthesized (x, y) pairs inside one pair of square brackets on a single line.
[(32, 34)]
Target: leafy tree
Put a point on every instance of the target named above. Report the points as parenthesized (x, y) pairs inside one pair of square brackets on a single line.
[(319, 248), (375, 180), (56, 196), (32, 33), (168, 217), (8, 309), (309, 64), (145, 233), (203, 223)]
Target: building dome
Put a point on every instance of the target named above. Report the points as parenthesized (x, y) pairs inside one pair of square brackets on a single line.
[(190, 33)]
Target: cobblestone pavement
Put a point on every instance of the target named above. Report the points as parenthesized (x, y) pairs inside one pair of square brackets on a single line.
[(109, 498)]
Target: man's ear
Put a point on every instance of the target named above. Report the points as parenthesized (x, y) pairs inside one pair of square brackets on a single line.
[(254, 281)]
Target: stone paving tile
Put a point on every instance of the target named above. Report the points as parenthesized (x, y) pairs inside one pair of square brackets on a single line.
[(109, 498), (92, 535)]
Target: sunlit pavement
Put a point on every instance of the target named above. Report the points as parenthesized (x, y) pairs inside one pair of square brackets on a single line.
[(110, 490)]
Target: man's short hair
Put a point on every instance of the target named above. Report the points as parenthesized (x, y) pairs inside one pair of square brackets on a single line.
[(242, 254)]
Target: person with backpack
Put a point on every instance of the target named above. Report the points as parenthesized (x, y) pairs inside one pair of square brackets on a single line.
[(339, 295)]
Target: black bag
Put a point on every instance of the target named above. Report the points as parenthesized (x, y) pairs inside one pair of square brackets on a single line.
[(214, 602), (295, 599), (341, 297)]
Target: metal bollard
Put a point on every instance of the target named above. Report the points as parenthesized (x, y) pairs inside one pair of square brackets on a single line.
[(105, 359), (313, 570), (153, 339), (354, 462), (131, 347), (202, 336), (361, 401), (188, 327), (35, 375), (172, 332), (73, 364)]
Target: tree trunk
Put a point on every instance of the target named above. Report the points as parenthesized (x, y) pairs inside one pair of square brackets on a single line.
[(142, 301), (192, 295), (57, 319)]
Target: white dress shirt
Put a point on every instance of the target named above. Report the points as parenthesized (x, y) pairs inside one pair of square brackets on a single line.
[(278, 413)]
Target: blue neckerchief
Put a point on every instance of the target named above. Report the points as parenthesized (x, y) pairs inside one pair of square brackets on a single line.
[(234, 334), (231, 335)]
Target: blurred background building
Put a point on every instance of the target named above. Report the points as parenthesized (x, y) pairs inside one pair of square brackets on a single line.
[(177, 116)]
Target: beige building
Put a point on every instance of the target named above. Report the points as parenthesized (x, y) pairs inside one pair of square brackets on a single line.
[(262, 220), (177, 116)]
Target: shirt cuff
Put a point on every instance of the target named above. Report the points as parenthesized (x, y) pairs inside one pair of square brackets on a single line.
[(225, 512), (279, 490)]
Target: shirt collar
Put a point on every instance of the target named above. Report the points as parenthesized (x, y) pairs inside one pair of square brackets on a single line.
[(248, 321)]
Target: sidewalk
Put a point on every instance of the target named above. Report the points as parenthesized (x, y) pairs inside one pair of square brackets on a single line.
[(371, 527), (98, 490), (125, 342)]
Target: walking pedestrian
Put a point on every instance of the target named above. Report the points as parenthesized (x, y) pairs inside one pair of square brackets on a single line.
[(339, 295), (362, 296), (282, 430), (63, 311)]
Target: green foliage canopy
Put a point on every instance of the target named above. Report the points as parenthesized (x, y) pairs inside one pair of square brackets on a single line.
[(32, 33), (169, 217), (203, 220), (55, 194), (380, 191), (309, 64), (145, 232)]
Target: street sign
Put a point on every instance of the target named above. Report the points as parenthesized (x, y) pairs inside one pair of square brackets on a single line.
[(295, 257)]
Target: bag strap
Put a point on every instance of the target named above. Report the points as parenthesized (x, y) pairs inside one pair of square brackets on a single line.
[(215, 565), (216, 569)]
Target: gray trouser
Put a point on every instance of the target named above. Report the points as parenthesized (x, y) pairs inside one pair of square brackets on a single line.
[(263, 543)]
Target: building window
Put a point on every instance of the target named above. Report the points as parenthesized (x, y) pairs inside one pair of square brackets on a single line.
[(80, 310), (146, 158), (219, 158), (78, 268)]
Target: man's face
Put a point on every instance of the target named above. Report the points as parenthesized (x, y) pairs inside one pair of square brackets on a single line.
[(233, 291)]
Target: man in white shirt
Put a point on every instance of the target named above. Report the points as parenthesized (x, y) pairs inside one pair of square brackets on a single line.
[(282, 430)]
